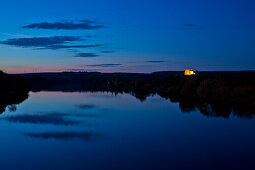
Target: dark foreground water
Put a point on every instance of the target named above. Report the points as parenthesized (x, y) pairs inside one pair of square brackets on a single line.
[(56, 130)]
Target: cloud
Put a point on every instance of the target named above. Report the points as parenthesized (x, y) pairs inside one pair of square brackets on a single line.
[(66, 25), (189, 25), (57, 47), (81, 70), (84, 136), (41, 41), (155, 61), (104, 65), (86, 55), (17, 35), (41, 119), (91, 36), (51, 43), (107, 51)]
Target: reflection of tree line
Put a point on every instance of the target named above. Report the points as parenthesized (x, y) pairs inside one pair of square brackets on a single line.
[(217, 96), (213, 93), (216, 109), (13, 90)]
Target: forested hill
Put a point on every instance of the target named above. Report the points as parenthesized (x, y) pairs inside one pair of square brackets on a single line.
[(13, 90), (221, 89), (39, 81)]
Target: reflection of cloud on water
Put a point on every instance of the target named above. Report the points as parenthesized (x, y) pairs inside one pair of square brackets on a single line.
[(85, 106), (56, 118), (41, 119), (84, 136), (70, 114)]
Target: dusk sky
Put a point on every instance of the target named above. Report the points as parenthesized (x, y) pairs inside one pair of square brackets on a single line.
[(126, 36)]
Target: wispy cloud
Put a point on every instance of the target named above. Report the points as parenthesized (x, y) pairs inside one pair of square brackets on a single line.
[(106, 51), (86, 55), (17, 35), (52, 43), (104, 65), (78, 70), (66, 25), (40, 41), (189, 25), (155, 61), (56, 47), (81, 70)]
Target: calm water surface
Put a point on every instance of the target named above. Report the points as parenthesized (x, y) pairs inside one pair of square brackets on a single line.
[(57, 130)]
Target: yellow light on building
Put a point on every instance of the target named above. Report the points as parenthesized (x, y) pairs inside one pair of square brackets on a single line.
[(189, 72)]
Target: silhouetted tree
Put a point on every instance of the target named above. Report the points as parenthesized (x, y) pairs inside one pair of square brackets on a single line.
[(244, 95)]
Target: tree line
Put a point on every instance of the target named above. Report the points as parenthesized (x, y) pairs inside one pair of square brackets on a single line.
[(210, 92)]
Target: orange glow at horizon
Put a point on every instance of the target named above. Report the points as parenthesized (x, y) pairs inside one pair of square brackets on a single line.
[(189, 72)]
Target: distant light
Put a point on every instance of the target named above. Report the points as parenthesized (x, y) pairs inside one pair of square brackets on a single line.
[(189, 72)]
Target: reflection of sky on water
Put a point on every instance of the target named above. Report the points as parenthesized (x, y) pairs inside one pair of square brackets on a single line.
[(119, 132)]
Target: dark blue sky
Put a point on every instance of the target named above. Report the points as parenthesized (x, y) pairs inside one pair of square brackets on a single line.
[(126, 36)]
